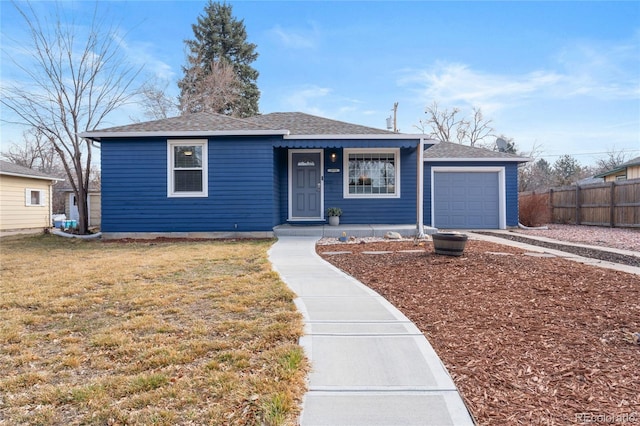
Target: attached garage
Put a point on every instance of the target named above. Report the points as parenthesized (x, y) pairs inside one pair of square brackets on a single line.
[(468, 198), (470, 188)]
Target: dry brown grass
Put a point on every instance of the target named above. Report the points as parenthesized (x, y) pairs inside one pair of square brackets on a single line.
[(146, 333)]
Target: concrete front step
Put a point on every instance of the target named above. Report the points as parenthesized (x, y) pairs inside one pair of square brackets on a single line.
[(358, 231)]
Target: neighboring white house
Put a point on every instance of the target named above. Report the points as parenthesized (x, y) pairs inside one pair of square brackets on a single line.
[(93, 204), (25, 198)]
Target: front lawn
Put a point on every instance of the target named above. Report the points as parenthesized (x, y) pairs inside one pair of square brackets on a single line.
[(146, 333)]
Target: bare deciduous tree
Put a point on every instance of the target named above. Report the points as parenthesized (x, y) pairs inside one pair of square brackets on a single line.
[(155, 101), (442, 123), (614, 159), (211, 90), (476, 129), (448, 126), (535, 174), (36, 152), (71, 81)]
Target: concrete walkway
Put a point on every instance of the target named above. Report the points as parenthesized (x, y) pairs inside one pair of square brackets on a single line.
[(370, 364), (560, 253)]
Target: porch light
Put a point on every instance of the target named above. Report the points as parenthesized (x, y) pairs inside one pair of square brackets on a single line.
[(333, 157)]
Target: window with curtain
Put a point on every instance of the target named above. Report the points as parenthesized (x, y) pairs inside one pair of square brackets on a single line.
[(372, 173)]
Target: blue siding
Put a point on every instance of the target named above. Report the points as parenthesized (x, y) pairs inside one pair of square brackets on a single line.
[(511, 187), (356, 211), (134, 188), (373, 210), (248, 191)]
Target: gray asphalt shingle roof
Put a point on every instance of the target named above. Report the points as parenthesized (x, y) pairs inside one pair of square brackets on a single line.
[(299, 123), (7, 168), (296, 123), (449, 150), (202, 121)]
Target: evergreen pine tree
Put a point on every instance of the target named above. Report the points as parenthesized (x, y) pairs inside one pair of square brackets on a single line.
[(220, 40)]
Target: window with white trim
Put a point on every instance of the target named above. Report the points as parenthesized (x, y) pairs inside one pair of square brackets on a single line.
[(372, 173), (187, 168), (34, 197)]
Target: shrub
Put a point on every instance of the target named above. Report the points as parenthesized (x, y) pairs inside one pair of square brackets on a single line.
[(534, 209)]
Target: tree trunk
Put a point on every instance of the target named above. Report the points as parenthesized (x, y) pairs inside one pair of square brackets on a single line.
[(83, 210)]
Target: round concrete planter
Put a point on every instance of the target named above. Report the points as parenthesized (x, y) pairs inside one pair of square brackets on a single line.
[(449, 244), (334, 220)]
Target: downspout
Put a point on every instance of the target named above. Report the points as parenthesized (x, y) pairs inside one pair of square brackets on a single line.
[(50, 221), (420, 191)]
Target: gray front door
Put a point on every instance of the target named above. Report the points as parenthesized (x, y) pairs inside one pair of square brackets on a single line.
[(306, 185)]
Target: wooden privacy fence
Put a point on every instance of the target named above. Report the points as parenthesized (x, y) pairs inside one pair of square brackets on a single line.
[(614, 204)]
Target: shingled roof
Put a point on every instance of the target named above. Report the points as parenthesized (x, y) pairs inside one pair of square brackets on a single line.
[(199, 122), (10, 169), (210, 124), (448, 151), (299, 123)]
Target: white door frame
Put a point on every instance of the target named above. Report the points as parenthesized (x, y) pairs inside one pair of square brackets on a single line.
[(74, 208), (290, 182)]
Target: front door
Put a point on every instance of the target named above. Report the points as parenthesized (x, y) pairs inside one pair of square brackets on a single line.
[(306, 185)]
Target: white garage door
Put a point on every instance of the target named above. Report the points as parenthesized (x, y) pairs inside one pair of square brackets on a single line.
[(466, 200)]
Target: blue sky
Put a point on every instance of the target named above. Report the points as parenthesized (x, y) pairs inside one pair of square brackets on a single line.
[(561, 76)]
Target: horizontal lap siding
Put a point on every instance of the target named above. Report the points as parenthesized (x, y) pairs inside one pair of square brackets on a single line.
[(14, 213), (134, 189), (511, 187), (373, 210)]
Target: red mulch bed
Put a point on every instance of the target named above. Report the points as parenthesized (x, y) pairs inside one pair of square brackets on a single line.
[(527, 340)]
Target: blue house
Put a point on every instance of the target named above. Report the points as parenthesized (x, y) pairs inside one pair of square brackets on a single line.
[(208, 175)]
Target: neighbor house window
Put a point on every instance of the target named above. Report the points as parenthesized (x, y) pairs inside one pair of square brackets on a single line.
[(34, 197), (187, 168), (372, 173)]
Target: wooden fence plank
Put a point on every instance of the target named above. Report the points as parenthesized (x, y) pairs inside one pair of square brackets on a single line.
[(611, 204)]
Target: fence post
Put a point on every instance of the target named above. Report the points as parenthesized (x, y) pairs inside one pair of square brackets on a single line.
[(551, 219), (577, 204), (612, 205)]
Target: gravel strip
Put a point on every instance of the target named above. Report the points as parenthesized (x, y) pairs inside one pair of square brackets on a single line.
[(620, 238), (580, 251)]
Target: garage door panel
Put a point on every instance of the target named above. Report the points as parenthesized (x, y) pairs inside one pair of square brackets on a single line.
[(466, 200)]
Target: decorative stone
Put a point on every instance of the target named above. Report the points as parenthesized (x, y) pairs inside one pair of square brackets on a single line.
[(539, 254), (391, 235)]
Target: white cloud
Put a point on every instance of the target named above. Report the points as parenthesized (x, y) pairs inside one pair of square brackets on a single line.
[(459, 85), (597, 71), (306, 99), (296, 38), (140, 54)]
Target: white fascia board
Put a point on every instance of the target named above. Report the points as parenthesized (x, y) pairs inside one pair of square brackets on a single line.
[(361, 136), (31, 176), (97, 135), (471, 159)]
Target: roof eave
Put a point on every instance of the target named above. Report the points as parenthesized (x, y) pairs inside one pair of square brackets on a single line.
[(377, 136), (51, 178), (610, 172), (481, 159), (98, 135)]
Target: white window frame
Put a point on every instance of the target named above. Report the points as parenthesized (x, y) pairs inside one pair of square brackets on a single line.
[(345, 175), (27, 197), (170, 168)]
